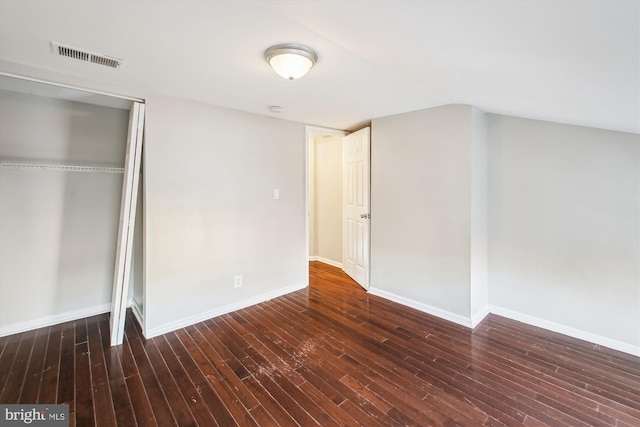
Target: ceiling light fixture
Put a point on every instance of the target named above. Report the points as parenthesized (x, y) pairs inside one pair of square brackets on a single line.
[(291, 61)]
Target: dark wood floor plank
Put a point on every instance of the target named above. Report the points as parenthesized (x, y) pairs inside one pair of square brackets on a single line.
[(179, 408), (270, 403), (364, 342), (83, 386), (155, 395), (103, 402), (524, 368), (262, 417), (271, 347), (237, 347), (428, 357), (3, 343), (330, 354), (368, 381), (205, 338), (80, 331), (140, 402), (284, 335), (263, 373), (283, 376), (403, 399), (48, 391), (17, 368), (66, 379), (364, 418), (33, 377), (622, 383), (365, 351), (540, 387), (138, 393), (305, 352), (200, 411), (204, 388), (572, 346), (276, 376), (128, 361), (218, 383), (337, 414), (122, 406), (461, 368), (12, 342)]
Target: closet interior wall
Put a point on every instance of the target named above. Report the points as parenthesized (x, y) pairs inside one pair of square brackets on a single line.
[(59, 226)]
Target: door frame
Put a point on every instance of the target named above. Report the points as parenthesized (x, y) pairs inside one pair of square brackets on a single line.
[(311, 132)]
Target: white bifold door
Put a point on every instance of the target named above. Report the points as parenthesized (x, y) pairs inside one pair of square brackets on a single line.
[(356, 204), (127, 223)]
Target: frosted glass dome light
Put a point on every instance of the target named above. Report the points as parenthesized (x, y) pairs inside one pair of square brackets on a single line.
[(291, 61)]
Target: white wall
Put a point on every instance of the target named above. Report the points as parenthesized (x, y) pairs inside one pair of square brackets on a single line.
[(564, 243), (562, 206), (210, 213), (479, 286), (58, 229), (421, 214), (54, 130), (328, 199)]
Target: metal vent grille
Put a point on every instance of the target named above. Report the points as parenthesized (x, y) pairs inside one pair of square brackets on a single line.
[(85, 55)]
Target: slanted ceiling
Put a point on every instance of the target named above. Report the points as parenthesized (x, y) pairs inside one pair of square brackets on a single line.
[(574, 62)]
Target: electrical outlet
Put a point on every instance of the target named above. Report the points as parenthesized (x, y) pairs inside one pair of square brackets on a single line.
[(237, 281)]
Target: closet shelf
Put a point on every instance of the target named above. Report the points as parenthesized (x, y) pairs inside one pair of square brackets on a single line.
[(59, 168)]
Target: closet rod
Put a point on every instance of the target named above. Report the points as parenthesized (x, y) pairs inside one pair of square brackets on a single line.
[(60, 168)]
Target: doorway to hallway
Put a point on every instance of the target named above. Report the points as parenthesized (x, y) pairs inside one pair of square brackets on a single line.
[(338, 190)]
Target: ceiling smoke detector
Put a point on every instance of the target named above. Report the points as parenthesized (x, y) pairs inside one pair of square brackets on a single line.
[(85, 55)]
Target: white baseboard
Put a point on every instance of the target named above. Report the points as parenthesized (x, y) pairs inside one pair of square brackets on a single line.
[(54, 319), (479, 316), (137, 313), (328, 261), (596, 339), (426, 308), (313, 258), (187, 321)]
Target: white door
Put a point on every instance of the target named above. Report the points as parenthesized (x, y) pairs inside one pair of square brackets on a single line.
[(127, 222), (355, 208)]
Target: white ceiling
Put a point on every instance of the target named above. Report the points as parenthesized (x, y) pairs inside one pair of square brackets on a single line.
[(574, 62)]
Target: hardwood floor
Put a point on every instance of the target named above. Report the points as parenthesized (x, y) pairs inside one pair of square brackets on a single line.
[(328, 355)]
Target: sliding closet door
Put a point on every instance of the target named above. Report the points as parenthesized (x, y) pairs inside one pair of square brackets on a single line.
[(128, 206)]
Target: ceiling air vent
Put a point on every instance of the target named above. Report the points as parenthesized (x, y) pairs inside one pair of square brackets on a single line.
[(85, 55)]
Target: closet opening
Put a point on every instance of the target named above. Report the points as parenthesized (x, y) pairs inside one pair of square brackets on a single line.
[(63, 164)]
